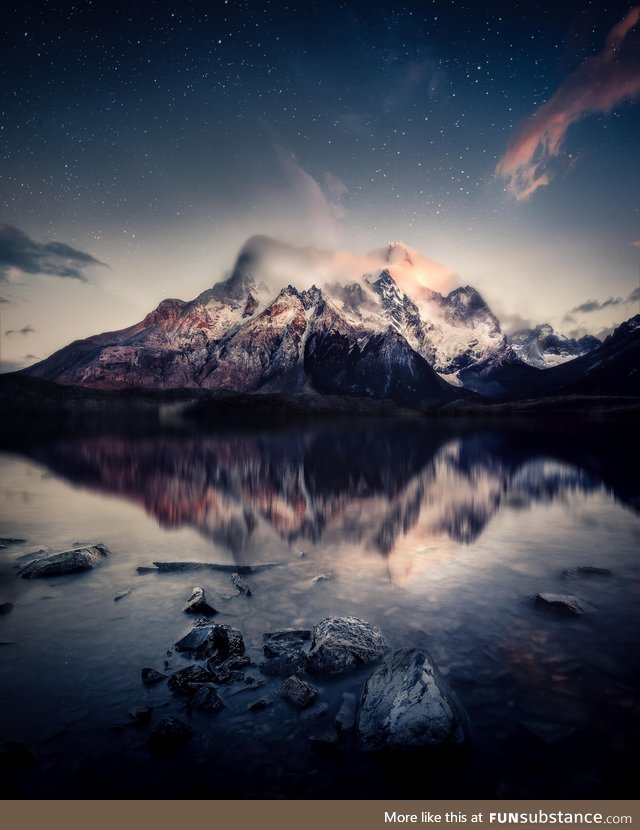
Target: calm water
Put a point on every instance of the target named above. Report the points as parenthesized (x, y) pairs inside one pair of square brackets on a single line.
[(438, 534)]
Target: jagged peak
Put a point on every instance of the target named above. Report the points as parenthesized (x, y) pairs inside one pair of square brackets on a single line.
[(398, 252)]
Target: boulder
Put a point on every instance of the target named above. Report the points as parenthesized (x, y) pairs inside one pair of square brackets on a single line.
[(207, 698), (240, 584), (216, 641), (298, 692), (287, 639), (188, 680), (197, 603), (406, 704), (343, 643), (562, 603), (69, 561), (151, 676), (289, 662), (169, 734)]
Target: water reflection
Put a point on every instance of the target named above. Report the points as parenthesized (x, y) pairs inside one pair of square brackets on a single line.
[(375, 485)]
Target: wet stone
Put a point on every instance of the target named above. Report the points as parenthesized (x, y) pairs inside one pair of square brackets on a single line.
[(169, 734), (406, 704), (298, 692), (188, 680), (241, 585), (207, 698), (561, 603), (290, 662), (69, 561), (260, 704), (197, 603), (151, 676), (288, 639), (344, 643)]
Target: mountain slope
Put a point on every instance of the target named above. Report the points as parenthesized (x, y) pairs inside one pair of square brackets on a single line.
[(543, 347)]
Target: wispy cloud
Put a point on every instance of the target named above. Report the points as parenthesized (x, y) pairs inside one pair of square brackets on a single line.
[(636, 244), (598, 305), (23, 332), (596, 86), (20, 255)]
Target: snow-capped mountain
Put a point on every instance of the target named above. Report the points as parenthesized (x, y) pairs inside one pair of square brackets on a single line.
[(364, 337), (543, 347)]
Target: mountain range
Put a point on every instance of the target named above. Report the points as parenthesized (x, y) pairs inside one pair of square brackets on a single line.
[(364, 337)]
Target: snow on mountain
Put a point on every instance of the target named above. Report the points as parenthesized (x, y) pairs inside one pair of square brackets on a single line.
[(543, 347)]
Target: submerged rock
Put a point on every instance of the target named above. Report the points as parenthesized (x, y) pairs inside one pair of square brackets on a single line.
[(5, 541), (197, 603), (406, 704), (286, 639), (122, 594), (562, 603), (151, 676), (207, 698), (141, 717), (586, 570), (188, 680), (343, 643), (260, 704), (69, 561), (214, 566), (241, 585), (298, 692), (289, 662), (170, 733)]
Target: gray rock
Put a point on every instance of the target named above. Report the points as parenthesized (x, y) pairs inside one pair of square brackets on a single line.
[(151, 676), (167, 567), (207, 698), (170, 733), (188, 680), (287, 639), (260, 704), (69, 561), (298, 692), (562, 603), (289, 662), (6, 607), (197, 603), (5, 541), (406, 704), (122, 594), (143, 569), (321, 578), (343, 643), (217, 640), (240, 584)]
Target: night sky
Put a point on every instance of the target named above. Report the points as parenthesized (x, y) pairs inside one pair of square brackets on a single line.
[(141, 144)]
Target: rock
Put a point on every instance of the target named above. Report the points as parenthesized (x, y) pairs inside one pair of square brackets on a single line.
[(346, 717), (141, 569), (343, 643), (240, 584), (6, 607), (188, 680), (69, 561), (222, 673), (315, 712), (199, 640), (214, 566), (5, 541), (122, 594), (298, 692), (406, 705), (251, 684), (150, 676), (15, 756), (586, 570), (207, 698), (197, 603), (562, 603), (287, 639), (141, 717), (259, 705), (322, 578), (289, 662), (169, 734), (216, 640)]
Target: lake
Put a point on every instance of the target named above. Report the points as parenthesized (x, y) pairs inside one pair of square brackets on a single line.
[(438, 532)]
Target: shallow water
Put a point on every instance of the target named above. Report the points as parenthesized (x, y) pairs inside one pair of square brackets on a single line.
[(439, 534)]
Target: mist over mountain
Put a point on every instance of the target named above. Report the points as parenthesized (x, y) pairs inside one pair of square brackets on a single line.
[(302, 320)]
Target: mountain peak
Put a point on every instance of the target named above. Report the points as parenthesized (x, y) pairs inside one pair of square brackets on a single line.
[(397, 252)]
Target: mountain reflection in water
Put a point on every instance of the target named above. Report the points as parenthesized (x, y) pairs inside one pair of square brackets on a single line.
[(438, 532), (372, 485)]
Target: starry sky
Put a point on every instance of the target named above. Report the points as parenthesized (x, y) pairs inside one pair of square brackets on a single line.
[(142, 144)]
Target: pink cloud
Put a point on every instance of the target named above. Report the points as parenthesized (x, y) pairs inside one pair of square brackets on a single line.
[(596, 86)]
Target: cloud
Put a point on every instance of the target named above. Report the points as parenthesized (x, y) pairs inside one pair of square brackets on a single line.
[(596, 305), (278, 263), (19, 255), (23, 332), (636, 244), (3, 300), (596, 86), (319, 209), (511, 323)]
